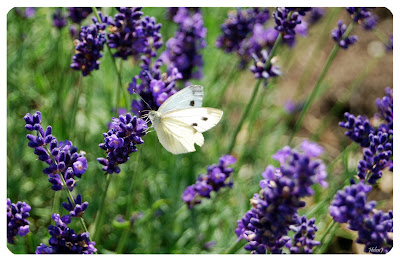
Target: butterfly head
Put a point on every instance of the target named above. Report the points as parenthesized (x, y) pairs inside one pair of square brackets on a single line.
[(154, 116)]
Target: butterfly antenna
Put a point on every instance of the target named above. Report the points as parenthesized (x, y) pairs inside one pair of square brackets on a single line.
[(143, 99)]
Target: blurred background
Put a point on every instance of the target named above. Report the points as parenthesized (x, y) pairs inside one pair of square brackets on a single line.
[(79, 109)]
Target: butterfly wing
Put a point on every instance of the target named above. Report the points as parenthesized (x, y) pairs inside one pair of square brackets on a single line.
[(177, 137), (189, 97), (201, 119)]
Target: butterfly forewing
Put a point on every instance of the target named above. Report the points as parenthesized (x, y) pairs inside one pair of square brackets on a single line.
[(201, 119), (189, 97)]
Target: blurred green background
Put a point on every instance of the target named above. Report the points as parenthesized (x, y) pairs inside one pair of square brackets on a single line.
[(152, 181)]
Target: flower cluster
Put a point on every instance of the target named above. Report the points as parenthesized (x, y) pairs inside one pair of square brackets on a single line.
[(389, 43), (127, 35), (315, 15), (359, 13), (120, 141), (350, 205), (64, 240), (17, 223), (77, 14), (274, 209), (64, 162), (286, 20), (369, 23), (88, 49), (183, 50), (376, 141), (238, 26), (153, 85), (78, 209), (216, 178), (338, 35), (59, 20), (377, 231), (374, 228), (304, 234), (263, 68)]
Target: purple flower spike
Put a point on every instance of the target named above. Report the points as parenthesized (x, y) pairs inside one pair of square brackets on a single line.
[(88, 49), (215, 179), (274, 209), (62, 158), (17, 223), (59, 19), (120, 141), (64, 240), (337, 35), (183, 50), (79, 209), (153, 85)]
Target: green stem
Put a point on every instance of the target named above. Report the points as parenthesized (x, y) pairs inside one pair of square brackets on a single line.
[(74, 110), (82, 222), (255, 90), (318, 85), (316, 54), (114, 63), (244, 115), (327, 237), (235, 247), (99, 216)]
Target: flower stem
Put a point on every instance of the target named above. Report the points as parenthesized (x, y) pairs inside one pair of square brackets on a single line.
[(318, 85), (244, 115), (235, 247), (99, 216), (114, 63), (327, 237), (316, 52), (253, 96)]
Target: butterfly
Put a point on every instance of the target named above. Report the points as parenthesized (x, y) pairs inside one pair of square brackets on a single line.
[(180, 120)]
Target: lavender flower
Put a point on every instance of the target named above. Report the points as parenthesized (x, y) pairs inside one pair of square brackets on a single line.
[(63, 160), (183, 50), (88, 49), (127, 131), (376, 233), (359, 13), (238, 26), (263, 68), (77, 14), (377, 142), (274, 210), (154, 86), (370, 22), (127, 33), (64, 240), (78, 209), (59, 20), (17, 223), (315, 15), (351, 206), (337, 35), (152, 35), (216, 178), (303, 239), (286, 20)]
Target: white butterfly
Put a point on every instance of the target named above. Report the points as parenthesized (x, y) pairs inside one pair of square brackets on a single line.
[(180, 120)]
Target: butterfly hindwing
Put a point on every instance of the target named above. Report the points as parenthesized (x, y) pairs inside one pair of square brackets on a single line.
[(189, 97), (201, 119), (177, 137)]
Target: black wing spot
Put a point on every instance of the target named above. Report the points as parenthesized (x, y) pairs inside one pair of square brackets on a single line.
[(192, 103), (194, 124), (204, 118)]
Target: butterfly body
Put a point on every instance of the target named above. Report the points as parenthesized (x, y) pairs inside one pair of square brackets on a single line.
[(180, 120)]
